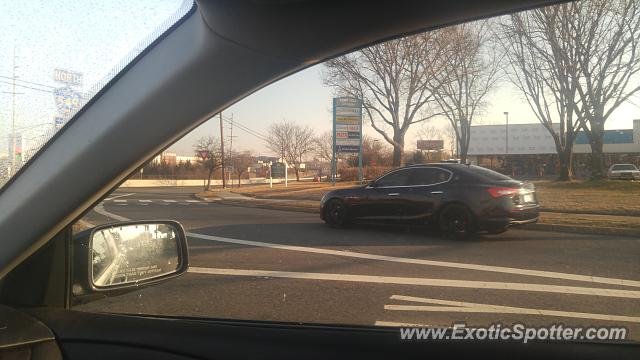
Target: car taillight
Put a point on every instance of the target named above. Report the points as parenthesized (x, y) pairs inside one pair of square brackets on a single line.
[(497, 192)]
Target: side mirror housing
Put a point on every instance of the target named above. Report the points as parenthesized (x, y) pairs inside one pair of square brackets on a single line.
[(120, 257)]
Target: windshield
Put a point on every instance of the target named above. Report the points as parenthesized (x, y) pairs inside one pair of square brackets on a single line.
[(624, 167), (52, 62)]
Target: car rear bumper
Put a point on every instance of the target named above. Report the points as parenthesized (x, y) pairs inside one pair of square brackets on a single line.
[(515, 216)]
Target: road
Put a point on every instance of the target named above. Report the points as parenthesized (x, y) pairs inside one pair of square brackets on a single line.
[(259, 264)]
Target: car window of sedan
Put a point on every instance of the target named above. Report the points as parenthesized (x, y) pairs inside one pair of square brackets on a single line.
[(397, 178), (427, 176), (265, 188)]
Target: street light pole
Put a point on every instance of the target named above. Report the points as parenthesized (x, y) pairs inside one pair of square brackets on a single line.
[(224, 184), (13, 115), (506, 138)]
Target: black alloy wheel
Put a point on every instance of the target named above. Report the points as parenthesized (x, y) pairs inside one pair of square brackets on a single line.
[(336, 214), (456, 222)]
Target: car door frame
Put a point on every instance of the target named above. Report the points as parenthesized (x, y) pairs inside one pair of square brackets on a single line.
[(426, 197)]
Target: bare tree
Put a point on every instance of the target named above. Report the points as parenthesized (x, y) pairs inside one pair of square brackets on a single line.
[(575, 64), (207, 150), (391, 78), (324, 146), (606, 37), (291, 142), (540, 61), (241, 163), (467, 73)]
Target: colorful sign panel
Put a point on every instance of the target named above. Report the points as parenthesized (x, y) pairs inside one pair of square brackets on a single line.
[(67, 100), (347, 124)]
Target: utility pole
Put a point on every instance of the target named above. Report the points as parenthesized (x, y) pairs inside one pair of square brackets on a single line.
[(506, 138), (231, 136), (224, 181), (13, 115)]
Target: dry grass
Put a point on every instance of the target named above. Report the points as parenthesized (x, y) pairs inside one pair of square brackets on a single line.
[(613, 197)]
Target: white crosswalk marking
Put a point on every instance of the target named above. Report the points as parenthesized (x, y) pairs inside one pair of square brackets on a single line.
[(169, 201), (145, 201)]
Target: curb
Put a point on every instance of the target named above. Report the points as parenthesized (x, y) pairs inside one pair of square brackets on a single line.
[(582, 230), (533, 227)]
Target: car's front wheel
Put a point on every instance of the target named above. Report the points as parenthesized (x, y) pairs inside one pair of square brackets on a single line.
[(456, 222), (336, 213)]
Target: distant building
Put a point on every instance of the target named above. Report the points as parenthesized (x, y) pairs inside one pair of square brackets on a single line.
[(532, 151), (172, 159)]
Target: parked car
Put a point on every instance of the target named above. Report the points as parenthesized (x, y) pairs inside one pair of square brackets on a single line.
[(458, 199), (623, 171)]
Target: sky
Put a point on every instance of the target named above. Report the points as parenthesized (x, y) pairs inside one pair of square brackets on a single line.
[(91, 37), (303, 98)]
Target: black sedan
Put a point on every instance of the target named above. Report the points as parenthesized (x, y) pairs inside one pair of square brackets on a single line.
[(458, 199)]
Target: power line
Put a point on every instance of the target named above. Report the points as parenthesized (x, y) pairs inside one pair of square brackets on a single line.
[(25, 86), (248, 130), (28, 82)]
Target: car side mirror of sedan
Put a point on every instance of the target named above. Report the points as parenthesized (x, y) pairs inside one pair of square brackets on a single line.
[(120, 257), (373, 184)]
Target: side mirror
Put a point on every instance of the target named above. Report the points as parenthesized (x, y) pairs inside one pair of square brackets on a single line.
[(120, 257), (372, 184)]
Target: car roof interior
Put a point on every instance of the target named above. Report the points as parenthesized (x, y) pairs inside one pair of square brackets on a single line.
[(218, 53)]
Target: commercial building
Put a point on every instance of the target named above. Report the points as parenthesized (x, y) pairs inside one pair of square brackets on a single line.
[(529, 149), (172, 159)]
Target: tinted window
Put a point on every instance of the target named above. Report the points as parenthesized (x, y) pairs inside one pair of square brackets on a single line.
[(427, 176), (398, 178)]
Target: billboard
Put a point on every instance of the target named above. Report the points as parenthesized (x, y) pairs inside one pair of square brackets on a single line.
[(67, 77), (430, 144), (347, 124), (277, 170), (523, 139)]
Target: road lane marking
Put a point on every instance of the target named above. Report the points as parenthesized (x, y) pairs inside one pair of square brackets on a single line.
[(119, 201), (118, 196), (192, 201), (498, 269), (145, 201), (468, 307), (101, 210), (169, 201), (486, 285)]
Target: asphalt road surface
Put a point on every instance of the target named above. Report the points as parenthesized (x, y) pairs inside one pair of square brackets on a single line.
[(259, 264)]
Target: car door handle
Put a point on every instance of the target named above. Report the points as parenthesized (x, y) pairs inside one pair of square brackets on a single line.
[(437, 192), (393, 194)]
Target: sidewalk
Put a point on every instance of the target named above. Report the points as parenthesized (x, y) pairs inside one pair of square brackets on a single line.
[(549, 221)]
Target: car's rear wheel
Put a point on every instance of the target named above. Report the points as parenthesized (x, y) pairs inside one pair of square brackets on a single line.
[(336, 214), (456, 222)]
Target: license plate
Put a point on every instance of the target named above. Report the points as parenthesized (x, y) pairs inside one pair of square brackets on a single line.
[(527, 198)]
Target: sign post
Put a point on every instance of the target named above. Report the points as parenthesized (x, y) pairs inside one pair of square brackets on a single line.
[(347, 131)]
